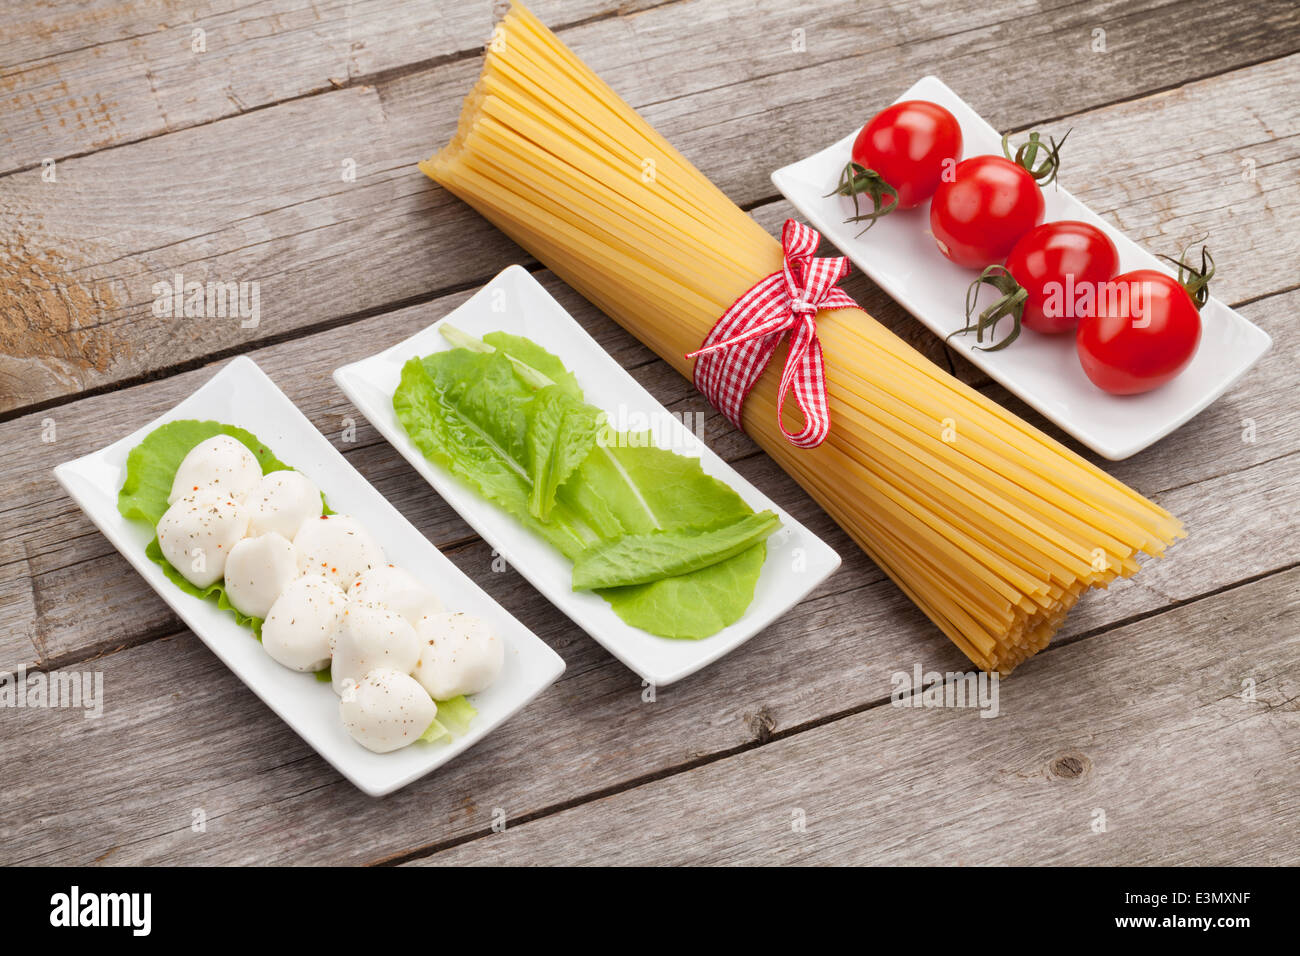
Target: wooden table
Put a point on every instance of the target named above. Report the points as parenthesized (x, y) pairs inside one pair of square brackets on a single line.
[(275, 141)]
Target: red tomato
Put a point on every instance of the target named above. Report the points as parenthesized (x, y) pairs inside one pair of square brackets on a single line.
[(908, 144), (1144, 332), (981, 213), (1061, 265)]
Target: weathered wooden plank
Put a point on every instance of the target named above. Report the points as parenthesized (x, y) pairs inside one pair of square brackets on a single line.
[(1146, 725), (54, 554), (203, 743), (224, 202), (81, 77), (214, 747)]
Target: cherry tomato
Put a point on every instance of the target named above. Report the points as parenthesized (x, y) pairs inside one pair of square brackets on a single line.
[(983, 211), (1144, 331), (1061, 265), (908, 145)]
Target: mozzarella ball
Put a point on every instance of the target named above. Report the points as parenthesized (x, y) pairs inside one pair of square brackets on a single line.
[(386, 710), (221, 463), (283, 502), (198, 532), (303, 623), (397, 590), (337, 547), (257, 570), (459, 654), (372, 636)]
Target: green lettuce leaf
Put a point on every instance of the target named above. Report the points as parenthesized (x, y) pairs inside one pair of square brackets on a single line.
[(468, 412), (150, 468), (440, 408), (560, 428), (435, 733), (213, 592), (456, 713), (529, 353), (506, 417), (152, 464), (561, 433), (651, 489), (692, 606), (453, 720), (644, 558)]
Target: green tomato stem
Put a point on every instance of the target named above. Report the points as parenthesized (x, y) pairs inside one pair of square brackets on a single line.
[(1025, 157), (1010, 303), (857, 180)]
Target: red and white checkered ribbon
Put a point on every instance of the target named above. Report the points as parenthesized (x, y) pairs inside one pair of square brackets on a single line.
[(740, 345)]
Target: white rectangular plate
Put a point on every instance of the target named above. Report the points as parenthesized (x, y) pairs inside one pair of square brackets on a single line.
[(900, 256), (797, 560), (241, 394)]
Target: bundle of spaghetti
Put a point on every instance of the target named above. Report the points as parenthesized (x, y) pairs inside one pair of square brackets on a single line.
[(990, 526)]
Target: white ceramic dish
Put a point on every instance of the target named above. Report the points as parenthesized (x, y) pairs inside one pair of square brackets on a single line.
[(797, 561), (900, 256), (241, 394)]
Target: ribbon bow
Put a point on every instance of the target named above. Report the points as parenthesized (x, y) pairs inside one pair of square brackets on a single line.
[(740, 345)]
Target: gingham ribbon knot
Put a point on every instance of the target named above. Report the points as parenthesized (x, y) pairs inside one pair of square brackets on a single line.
[(740, 345)]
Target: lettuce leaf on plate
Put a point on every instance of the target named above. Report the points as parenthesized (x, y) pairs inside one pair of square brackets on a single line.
[(649, 490), (456, 713), (528, 353), (469, 412), (215, 592), (453, 720), (673, 550), (644, 558), (561, 433), (150, 468), (692, 606), (152, 464)]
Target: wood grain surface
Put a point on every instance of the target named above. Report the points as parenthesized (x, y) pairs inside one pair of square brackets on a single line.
[(1163, 753), (235, 163)]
